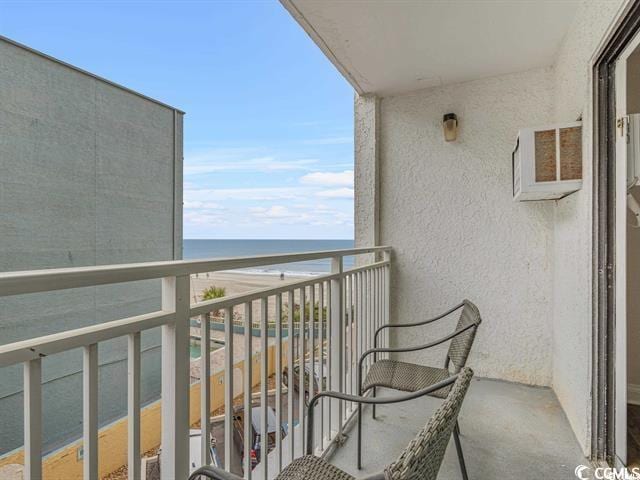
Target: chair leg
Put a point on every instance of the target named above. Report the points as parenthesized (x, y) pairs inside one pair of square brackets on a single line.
[(359, 436), (456, 438), (373, 410)]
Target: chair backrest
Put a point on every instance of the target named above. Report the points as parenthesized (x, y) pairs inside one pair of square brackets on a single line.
[(460, 346), (423, 456)]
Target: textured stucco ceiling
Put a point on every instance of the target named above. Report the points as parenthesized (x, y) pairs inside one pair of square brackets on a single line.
[(390, 47)]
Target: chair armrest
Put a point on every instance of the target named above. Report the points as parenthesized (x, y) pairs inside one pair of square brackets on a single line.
[(415, 324), (214, 473), (369, 401)]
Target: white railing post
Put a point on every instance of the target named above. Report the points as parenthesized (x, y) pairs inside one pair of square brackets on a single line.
[(228, 388), (133, 405), (290, 387), (278, 325), (248, 386), (264, 379), (337, 350), (33, 419), (90, 412), (205, 388), (175, 380)]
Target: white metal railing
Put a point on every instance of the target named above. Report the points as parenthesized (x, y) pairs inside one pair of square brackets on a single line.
[(351, 305)]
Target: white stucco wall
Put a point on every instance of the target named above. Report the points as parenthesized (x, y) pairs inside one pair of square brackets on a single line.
[(447, 210), (572, 246)]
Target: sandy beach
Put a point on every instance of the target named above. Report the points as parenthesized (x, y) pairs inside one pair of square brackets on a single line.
[(236, 283)]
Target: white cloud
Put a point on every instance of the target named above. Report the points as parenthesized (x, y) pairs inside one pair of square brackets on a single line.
[(329, 179), (313, 215), (196, 218), (188, 205), (275, 211), (212, 162), (256, 194), (336, 193)]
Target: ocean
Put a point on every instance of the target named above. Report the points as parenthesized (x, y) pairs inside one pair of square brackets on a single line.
[(199, 249)]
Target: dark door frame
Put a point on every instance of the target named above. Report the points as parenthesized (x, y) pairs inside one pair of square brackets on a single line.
[(604, 258)]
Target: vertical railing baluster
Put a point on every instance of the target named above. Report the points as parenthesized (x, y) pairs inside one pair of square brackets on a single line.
[(365, 317), (370, 332), (312, 351), (248, 387), (264, 379), (330, 348), (375, 304), (33, 419), (205, 389), (381, 307), (380, 298), (361, 345), (347, 340), (337, 370), (321, 323), (387, 296), (381, 302), (352, 336), (377, 299), (228, 388), (301, 369), (278, 325), (356, 333), (133, 405), (290, 378), (312, 360), (90, 412), (175, 379)]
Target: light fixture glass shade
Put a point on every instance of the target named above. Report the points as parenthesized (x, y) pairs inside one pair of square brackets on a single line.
[(450, 127)]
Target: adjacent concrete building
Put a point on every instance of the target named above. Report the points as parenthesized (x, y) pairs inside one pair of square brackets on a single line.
[(91, 175)]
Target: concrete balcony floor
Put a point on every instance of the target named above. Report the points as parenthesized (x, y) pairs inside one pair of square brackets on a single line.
[(508, 431)]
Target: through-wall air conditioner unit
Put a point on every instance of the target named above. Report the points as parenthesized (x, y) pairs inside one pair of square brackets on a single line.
[(547, 162)]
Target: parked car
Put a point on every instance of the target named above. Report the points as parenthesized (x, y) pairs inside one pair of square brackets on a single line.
[(307, 374), (256, 437)]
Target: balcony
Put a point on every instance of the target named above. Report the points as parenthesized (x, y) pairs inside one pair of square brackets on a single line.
[(506, 427)]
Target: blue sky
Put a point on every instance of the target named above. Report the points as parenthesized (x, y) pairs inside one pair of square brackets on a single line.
[(269, 124)]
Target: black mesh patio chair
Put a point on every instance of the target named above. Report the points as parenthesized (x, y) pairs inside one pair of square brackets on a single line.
[(410, 377), (420, 460)]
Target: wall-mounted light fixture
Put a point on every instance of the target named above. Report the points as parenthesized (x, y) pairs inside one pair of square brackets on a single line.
[(450, 127)]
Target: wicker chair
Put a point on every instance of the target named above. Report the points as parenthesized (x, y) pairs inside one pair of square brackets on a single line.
[(420, 460), (409, 377)]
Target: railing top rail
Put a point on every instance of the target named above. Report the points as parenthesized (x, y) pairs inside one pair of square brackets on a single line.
[(32, 281), (33, 348)]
